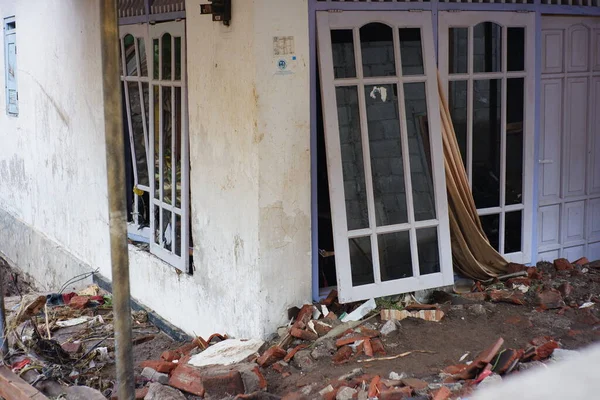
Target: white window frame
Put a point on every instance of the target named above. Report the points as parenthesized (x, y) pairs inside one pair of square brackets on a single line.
[(158, 241), (10, 36), (468, 19), (397, 19)]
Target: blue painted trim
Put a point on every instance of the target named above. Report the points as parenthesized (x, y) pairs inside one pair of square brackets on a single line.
[(314, 209), (537, 134)]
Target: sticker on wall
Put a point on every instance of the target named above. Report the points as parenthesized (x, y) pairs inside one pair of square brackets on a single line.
[(285, 65), (283, 46)]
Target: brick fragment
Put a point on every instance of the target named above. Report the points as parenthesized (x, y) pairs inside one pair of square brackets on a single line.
[(582, 261), (162, 366), (544, 351), (322, 328), (305, 315), (368, 349), (141, 393), (343, 355), (475, 296), (330, 298), (271, 356), (348, 340), (370, 333), (565, 289), (534, 273), (293, 352), (485, 357), (72, 347), (396, 393), (442, 393), (562, 264), (378, 348), (512, 268), (507, 360), (262, 382), (416, 384), (188, 379), (220, 384), (303, 334), (373, 386), (507, 296), (79, 302), (550, 299), (519, 281)]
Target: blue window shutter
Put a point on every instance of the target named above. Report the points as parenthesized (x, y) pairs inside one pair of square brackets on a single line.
[(12, 93)]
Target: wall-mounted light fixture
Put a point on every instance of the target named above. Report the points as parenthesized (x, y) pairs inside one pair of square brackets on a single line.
[(220, 10)]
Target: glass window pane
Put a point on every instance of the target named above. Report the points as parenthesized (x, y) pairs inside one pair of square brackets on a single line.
[(177, 58), (429, 256), (177, 244), (342, 44), (377, 47), (137, 125), (419, 150), (157, 178), (395, 260), (457, 102), (143, 61), (386, 155), (156, 58), (167, 230), (487, 47), (515, 50), (355, 191), (177, 146), (157, 224), (486, 142), (411, 51), (130, 59), (361, 261), (458, 54), (491, 227), (167, 124), (513, 232), (515, 102), (147, 110), (166, 57)]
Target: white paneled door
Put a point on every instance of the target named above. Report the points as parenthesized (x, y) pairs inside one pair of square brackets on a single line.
[(384, 152), (487, 60), (569, 180)]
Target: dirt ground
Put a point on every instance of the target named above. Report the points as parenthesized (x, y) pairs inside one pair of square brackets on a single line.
[(468, 327)]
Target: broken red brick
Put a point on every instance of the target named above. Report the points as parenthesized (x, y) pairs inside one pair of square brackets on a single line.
[(322, 328), (442, 393), (507, 296), (79, 302), (512, 268), (582, 261), (305, 315), (368, 349), (271, 356), (280, 367), (377, 346), (220, 384), (396, 393), (485, 357), (161, 366), (331, 297), (507, 360), (342, 355), (544, 351), (475, 296), (370, 333), (562, 264), (416, 384), (71, 347), (565, 289), (293, 396), (534, 273), (418, 307), (540, 340), (373, 387), (455, 369), (303, 334), (549, 299), (293, 352), (528, 354), (348, 340), (188, 379)]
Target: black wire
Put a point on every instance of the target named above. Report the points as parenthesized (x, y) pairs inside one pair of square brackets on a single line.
[(77, 278)]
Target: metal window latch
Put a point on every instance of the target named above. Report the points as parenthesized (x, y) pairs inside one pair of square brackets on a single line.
[(545, 161), (220, 10)]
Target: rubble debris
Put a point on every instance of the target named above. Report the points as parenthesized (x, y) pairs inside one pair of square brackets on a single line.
[(395, 357), (271, 356), (427, 315), (154, 376), (156, 391), (507, 296), (358, 314), (345, 393), (562, 264), (389, 327), (227, 352), (12, 387), (550, 299)]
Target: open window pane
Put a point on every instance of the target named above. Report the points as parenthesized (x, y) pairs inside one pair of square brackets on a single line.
[(377, 47), (342, 45), (143, 60), (352, 158), (177, 41), (419, 150), (167, 125), (429, 257), (157, 143), (457, 102), (487, 47), (487, 115), (137, 125), (177, 147), (395, 257), (513, 236), (515, 49), (515, 108), (166, 57), (411, 51), (386, 155), (361, 261), (130, 57), (458, 46)]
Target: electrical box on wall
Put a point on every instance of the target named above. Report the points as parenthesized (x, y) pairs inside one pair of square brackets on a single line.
[(220, 10)]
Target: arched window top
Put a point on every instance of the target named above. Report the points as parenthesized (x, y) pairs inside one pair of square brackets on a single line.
[(377, 46), (487, 47)]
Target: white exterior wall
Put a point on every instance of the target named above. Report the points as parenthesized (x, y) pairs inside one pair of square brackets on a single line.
[(250, 177), (53, 199), (250, 165)]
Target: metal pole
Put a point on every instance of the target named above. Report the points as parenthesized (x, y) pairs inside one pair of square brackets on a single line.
[(115, 162)]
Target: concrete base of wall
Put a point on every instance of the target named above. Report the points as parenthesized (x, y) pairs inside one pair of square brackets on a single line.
[(47, 262)]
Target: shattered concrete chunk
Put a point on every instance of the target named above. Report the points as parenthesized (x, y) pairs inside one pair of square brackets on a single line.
[(396, 377), (389, 327), (227, 352), (156, 391), (345, 393), (154, 376)]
